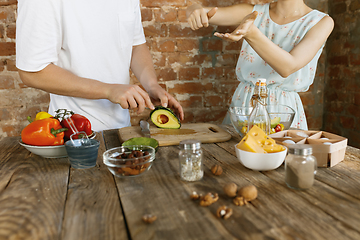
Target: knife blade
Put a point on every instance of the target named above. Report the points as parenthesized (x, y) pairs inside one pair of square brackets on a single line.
[(145, 128)]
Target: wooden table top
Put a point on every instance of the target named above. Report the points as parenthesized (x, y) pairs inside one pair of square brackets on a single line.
[(47, 199)]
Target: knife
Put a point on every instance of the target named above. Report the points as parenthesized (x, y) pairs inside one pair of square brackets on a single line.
[(145, 128)]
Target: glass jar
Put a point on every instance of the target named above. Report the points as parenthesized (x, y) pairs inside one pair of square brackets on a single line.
[(191, 160), (259, 115), (300, 167)]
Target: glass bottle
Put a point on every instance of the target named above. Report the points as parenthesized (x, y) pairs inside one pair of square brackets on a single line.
[(259, 115), (191, 160), (300, 167)]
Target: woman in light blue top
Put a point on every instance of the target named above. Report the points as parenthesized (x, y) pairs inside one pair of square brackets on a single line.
[(283, 42)]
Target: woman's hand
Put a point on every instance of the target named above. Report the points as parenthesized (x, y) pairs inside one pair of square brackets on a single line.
[(242, 30), (198, 16)]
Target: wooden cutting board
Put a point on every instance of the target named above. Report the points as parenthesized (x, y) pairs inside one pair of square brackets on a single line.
[(204, 132)]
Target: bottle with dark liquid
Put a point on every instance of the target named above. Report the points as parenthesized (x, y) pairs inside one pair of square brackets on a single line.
[(259, 115)]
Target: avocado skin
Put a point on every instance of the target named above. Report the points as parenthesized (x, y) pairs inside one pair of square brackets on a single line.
[(169, 113)]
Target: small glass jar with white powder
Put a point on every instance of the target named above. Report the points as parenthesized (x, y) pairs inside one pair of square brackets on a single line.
[(191, 160)]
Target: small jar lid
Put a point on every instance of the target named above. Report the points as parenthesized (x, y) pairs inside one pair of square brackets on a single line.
[(190, 144), (300, 149)]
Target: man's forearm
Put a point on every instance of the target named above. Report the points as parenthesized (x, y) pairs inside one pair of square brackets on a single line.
[(59, 81), (142, 66)]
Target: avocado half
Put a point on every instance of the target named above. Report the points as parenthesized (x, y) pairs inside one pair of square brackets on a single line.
[(164, 117)]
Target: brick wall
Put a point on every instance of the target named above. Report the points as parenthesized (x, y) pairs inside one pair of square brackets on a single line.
[(194, 66), (342, 98)]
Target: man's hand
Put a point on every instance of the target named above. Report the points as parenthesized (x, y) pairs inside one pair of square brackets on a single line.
[(242, 30), (163, 98), (130, 97)]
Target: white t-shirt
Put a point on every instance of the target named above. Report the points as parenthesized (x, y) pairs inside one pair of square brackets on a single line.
[(89, 38)]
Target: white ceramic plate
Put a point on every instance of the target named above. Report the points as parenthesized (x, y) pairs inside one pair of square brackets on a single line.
[(58, 151)]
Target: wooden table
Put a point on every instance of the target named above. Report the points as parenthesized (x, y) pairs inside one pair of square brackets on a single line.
[(46, 199)]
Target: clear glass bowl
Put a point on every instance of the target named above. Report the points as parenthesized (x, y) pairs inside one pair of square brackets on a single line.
[(239, 116), (129, 161)]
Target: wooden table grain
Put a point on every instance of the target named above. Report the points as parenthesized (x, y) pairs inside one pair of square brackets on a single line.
[(47, 199)]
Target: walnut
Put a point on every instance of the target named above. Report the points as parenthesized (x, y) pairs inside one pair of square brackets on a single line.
[(249, 192), (239, 201), (149, 218), (224, 212), (208, 199), (195, 196), (230, 189), (216, 170)]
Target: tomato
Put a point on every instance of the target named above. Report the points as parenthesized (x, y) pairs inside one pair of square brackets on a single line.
[(279, 127)]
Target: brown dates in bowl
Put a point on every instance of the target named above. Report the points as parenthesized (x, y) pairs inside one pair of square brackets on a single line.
[(129, 161)]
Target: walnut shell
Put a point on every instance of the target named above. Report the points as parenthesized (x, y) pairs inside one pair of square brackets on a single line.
[(249, 192), (216, 170), (230, 189)]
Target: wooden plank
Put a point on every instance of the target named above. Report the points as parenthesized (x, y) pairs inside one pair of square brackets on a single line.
[(32, 193), (277, 213), (92, 209), (205, 132)]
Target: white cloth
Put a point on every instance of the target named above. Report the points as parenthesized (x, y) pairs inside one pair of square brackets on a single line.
[(89, 38), (251, 66)]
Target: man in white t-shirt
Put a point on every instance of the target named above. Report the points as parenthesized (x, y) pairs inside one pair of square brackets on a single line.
[(81, 52)]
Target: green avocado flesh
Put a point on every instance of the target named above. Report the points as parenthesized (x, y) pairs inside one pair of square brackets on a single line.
[(164, 118), (142, 141), (275, 122)]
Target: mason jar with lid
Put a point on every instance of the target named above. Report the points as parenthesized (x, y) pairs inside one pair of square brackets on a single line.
[(191, 160), (300, 167)]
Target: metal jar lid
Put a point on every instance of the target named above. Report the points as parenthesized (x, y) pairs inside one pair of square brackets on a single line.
[(300, 149), (190, 144)]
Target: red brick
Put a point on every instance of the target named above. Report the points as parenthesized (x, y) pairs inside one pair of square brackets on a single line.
[(11, 65), (146, 14), (156, 30), (232, 46), (191, 88), (182, 15), (180, 31), (189, 73), (2, 64), (211, 115), (212, 73), (7, 48), (11, 31), (166, 74), (165, 46), (192, 102), (214, 100), (339, 60), (170, 15), (2, 31), (354, 59), (353, 110), (187, 44), (226, 59), (210, 45), (6, 82), (3, 14), (186, 59), (347, 122)]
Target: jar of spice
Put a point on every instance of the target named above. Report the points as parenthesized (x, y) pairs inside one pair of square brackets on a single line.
[(300, 167), (190, 160)]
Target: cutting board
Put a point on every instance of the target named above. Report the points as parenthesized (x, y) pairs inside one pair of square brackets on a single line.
[(204, 132)]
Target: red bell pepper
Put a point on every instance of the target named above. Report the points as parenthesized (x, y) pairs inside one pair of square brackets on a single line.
[(44, 132), (81, 123)]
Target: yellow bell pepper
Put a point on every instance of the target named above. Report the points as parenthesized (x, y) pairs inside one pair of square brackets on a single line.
[(42, 115)]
